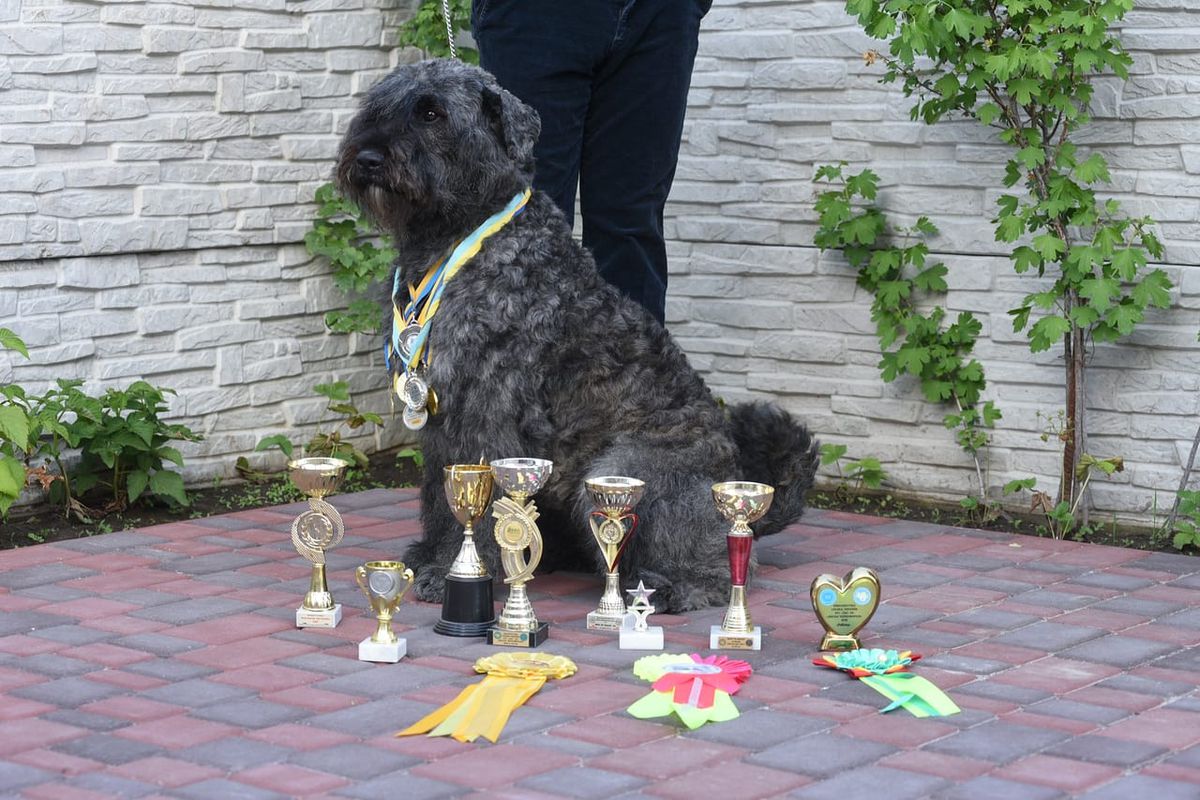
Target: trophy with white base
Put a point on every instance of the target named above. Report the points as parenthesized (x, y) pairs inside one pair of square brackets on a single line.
[(740, 502), (636, 632), (316, 530), (612, 526), (384, 583)]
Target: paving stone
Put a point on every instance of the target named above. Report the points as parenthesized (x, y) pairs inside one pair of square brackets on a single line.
[(822, 756), (113, 785), (956, 663), (783, 559), (1151, 609), (1187, 660), (388, 681), (222, 789), (998, 741), (875, 781), (760, 729), (67, 692), (51, 593), (53, 665), (225, 522), (169, 670), (414, 788), (86, 719), (14, 776), (107, 749), (251, 713), (193, 610), (1107, 580), (1017, 695), (1084, 712), (1051, 599), (109, 542), (989, 788), (583, 782), (1185, 619), (355, 761), (1120, 650), (990, 583), (993, 618), (1166, 562), (234, 754), (73, 635), (1136, 683), (197, 693), (1050, 637), (30, 621), (1106, 750), (148, 597), (1140, 786), (374, 718), (42, 574)]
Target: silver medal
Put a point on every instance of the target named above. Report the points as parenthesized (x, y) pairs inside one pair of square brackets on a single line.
[(414, 392), (408, 340), (414, 419)]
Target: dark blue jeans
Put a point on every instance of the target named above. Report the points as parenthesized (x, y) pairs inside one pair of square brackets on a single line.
[(609, 79)]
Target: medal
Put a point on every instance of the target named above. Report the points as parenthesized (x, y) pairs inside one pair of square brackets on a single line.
[(414, 419), (414, 392), (431, 404), (407, 340)]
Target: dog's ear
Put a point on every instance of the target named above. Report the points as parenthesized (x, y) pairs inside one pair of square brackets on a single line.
[(515, 125)]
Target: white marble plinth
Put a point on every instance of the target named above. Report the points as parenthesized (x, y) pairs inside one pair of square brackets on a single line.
[(719, 639), (325, 618), (382, 651)]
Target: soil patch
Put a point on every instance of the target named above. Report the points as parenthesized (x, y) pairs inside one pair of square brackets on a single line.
[(43, 523)]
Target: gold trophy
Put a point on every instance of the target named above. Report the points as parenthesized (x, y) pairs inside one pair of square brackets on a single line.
[(516, 530), (844, 606), (467, 608), (384, 583), (740, 502), (314, 532), (614, 497)]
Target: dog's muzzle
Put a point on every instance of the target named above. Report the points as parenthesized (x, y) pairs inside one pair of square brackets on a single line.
[(369, 160)]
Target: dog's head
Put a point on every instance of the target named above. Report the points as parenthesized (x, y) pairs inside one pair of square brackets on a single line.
[(438, 140)]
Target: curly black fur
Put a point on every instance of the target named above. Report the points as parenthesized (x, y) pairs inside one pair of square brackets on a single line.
[(534, 354)]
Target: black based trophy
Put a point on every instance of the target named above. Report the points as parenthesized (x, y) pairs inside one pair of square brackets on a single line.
[(467, 608)]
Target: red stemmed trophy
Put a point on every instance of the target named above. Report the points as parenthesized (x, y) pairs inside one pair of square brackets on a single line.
[(740, 502)]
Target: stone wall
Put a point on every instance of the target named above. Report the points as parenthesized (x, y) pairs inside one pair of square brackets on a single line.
[(158, 162), (780, 87)]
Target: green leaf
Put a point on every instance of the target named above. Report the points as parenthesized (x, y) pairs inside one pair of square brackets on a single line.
[(14, 426), (1153, 290), (136, 483), (932, 279), (170, 454), (1099, 292), (1024, 258), (1049, 246), (1124, 317), (338, 390), (1046, 332), (1093, 169), (169, 484), (1014, 486), (276, 440), (12, 476), (912, 359), (988, 113), (11, 341), (1023, 89), (1127, 261), (890, 293), (831, 453)]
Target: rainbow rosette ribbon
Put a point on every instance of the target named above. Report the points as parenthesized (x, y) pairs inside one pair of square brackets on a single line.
[(695, 688), (886, 671)]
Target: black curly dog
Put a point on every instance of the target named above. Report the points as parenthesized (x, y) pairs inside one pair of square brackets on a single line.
[(534, 354)]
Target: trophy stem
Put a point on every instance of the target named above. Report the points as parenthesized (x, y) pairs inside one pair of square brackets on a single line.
[(518, 611), (318, 597), (610, 601), (467, 563), (737, 616), (383, 631)]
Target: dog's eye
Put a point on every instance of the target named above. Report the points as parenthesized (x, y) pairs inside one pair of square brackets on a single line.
[(430, 115)]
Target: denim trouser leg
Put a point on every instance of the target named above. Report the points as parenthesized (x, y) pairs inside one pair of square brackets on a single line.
[(609, 78)]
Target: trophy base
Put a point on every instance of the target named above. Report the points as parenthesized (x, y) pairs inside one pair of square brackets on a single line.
[(602, 621), (318, 618), (649, 639), (719, 639), (501, 637), (833, 641), (382, 652), (467, 607)]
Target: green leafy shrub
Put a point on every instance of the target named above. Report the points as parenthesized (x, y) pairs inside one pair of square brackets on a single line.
[(866, 472), (15, 427), (427, 29), (1187, 524), (327, 444)]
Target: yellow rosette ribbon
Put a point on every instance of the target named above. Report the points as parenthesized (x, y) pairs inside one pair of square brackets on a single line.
[(483, 709)]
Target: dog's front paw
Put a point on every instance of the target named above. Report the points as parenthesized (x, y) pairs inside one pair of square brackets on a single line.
[(430, 584), (681, 595)]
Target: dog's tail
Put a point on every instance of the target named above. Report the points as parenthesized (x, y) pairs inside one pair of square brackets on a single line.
[(777, 450)]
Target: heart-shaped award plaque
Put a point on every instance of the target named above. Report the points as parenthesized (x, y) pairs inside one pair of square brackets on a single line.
[(844, 606)]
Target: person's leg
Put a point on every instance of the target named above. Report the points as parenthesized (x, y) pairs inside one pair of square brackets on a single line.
[(631, 144), (545, 52)]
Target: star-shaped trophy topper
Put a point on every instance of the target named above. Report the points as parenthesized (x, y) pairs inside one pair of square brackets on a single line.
[(640, 606)]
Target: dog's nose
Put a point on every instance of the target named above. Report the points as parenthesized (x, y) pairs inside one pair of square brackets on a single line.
[(369, 159)]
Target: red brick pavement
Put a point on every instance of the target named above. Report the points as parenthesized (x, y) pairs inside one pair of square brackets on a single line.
[(168, 665)]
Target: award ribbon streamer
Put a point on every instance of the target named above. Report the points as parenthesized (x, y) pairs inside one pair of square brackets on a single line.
[(694, 688), (483, 709), (886, 671)]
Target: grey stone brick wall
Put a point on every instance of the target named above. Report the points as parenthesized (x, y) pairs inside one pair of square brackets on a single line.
[(158, 163), (782, 87)]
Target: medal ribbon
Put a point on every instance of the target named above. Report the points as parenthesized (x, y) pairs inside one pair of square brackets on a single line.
[(426, 298)]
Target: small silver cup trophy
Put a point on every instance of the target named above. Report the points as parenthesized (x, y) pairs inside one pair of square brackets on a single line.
[(316, 530), (516, 532), (613, 524)]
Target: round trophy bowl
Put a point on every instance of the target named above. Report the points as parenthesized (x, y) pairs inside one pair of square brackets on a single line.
[(468, 491), (317, 477), (522, 477), (614, 495), (742, 502)]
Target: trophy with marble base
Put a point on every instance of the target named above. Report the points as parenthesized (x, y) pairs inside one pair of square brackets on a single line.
[(740, 502), (467, 608), (384, 583), (516, 531), (612, 524), (316, 530), (636, 632)]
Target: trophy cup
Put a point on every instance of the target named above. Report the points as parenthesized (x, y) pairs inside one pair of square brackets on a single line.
[(614, 497), (844, 606), (384, 583), (636, 632), (467, 608), (516, 530), (316, 530), (740, 502)]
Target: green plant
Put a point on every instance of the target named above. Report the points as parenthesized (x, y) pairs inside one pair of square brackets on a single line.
[(122, 442), (426, 29), (1024, 67), (911, 342), (15, 427), (863, 472), (329, 443), (1062, 518), (1187, 530)]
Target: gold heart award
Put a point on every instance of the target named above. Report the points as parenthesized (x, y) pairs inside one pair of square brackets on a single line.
[(844, 606)]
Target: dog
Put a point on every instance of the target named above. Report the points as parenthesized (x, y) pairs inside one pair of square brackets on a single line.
[(533, 354)]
